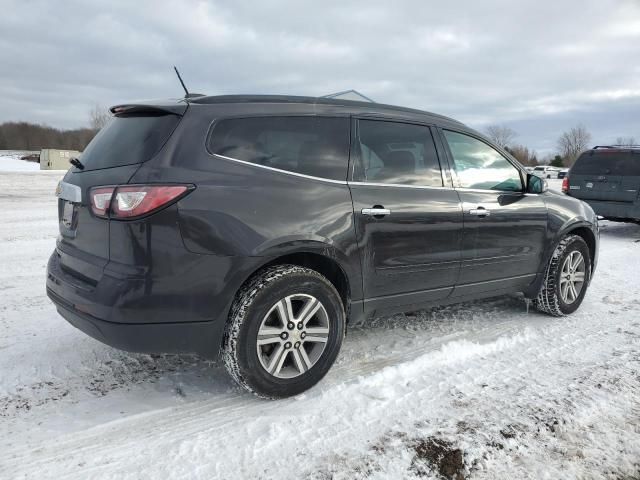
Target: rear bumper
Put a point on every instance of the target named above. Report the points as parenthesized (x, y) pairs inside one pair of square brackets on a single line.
[(184, 312), (183, 337), (614, 209)]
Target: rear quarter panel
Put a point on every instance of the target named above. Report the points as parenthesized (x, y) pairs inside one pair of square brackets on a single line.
[(245, 211)]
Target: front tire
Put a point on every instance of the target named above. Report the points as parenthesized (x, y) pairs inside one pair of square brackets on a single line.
[(284, 332), (566, 278)]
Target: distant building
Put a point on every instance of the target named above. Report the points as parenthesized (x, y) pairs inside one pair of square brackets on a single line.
[(350, 95), (52, 159)]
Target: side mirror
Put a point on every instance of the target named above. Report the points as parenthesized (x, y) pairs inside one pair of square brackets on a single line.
[(536, 184)]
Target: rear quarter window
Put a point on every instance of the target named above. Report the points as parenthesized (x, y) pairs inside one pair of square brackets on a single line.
[(316, 146), (607, 163), (129, 139)]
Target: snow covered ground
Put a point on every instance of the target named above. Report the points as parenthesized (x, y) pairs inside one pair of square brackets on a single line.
[(480, 390), (10, 162)]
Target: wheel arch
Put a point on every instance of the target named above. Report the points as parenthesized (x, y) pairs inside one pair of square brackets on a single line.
[(327, 266), (589, 237), (583, 229)]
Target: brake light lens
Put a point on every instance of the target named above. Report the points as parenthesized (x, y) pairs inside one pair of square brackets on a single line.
[(565, 184), (131, 201), (100, 200), (141, 200)]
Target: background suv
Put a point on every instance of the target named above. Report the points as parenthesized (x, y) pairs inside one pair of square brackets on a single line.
[(608, 179), (257, 226)]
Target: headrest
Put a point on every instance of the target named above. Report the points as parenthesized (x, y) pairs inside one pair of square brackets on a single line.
[(400, 161)]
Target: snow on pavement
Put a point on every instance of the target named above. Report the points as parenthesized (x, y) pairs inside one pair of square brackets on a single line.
[(479, 390)]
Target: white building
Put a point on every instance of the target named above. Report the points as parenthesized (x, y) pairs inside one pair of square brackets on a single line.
[(53, 159)]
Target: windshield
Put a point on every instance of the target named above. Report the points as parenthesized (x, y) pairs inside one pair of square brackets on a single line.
[(129, 139)]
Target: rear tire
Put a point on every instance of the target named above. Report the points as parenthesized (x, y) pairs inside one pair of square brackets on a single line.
[(284, 332), (564, 286)]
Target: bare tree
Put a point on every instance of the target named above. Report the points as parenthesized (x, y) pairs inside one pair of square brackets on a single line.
[(501, 134), (523, 154), (572, 143), (98, 117), (626, 141)]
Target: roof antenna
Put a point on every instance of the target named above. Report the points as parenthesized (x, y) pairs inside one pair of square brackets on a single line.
[(186, 92)]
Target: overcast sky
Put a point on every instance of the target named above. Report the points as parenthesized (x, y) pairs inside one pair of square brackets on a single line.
[(538, 67)]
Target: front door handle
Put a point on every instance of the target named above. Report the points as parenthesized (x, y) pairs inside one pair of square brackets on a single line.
[(376, 211), (480, 212)]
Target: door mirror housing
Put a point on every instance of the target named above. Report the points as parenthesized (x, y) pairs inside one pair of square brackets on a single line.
[(536, 184)]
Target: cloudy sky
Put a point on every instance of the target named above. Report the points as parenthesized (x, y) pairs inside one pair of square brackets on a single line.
[(538, 67)]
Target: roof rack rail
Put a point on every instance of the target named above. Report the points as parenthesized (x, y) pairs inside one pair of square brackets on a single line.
[(615, 145)]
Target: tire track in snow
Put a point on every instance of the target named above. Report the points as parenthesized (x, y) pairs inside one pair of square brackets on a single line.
[(193, 419)]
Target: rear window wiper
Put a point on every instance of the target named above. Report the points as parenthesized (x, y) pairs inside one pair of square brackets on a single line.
[(76, 163)]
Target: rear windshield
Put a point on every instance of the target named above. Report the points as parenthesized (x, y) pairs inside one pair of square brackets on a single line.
[(608, 163), (127, 140)]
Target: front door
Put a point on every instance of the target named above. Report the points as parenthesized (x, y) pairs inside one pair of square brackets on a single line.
[(408, 217), (504, 227)]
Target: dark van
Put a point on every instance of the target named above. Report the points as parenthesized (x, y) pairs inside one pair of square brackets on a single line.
[(608, 179)]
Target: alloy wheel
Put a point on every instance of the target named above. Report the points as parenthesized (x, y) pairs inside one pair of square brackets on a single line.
[(572, 277), (292, 336)]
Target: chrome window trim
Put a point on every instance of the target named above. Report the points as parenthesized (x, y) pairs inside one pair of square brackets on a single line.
[(69, 192), (489, 190), (398, 185), (279, 170), (338, 182)]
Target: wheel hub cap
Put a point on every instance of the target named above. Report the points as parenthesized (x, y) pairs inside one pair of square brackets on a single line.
[(572, 277), (292, 336)]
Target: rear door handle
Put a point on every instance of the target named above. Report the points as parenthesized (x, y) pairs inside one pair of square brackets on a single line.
[(480, 212), (375, 212)]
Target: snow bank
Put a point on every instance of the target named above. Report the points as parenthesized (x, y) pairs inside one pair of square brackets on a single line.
[(11, 162)]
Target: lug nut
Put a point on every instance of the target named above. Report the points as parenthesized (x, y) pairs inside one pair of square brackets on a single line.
[(284, 335), (290, 326), (287, 345), (297, 345), (300, 326), (303, 334)]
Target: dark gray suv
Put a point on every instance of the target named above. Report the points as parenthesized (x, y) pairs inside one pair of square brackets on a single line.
[(259, 226), (608, 179)]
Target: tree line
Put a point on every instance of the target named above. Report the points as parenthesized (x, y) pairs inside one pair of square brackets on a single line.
[(569, 145), (32, 136)]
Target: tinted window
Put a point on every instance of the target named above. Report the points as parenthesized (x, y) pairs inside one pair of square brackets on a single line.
[(480, 166), (128, 139), (396, 153), (607, 163), (317, 146)]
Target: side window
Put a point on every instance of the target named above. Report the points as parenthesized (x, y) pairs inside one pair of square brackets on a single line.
[(396, 153), (317, 146), (480, 166)]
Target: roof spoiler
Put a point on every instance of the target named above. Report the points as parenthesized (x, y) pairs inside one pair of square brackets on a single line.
[(159, 109)]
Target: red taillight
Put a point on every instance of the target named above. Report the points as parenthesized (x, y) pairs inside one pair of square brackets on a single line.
[(565, 184), (131, 201), (100, 200)]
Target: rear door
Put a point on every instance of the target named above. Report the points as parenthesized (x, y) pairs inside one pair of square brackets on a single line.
[(504, 227), (611, 175), (111, 158), (408, 216)]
